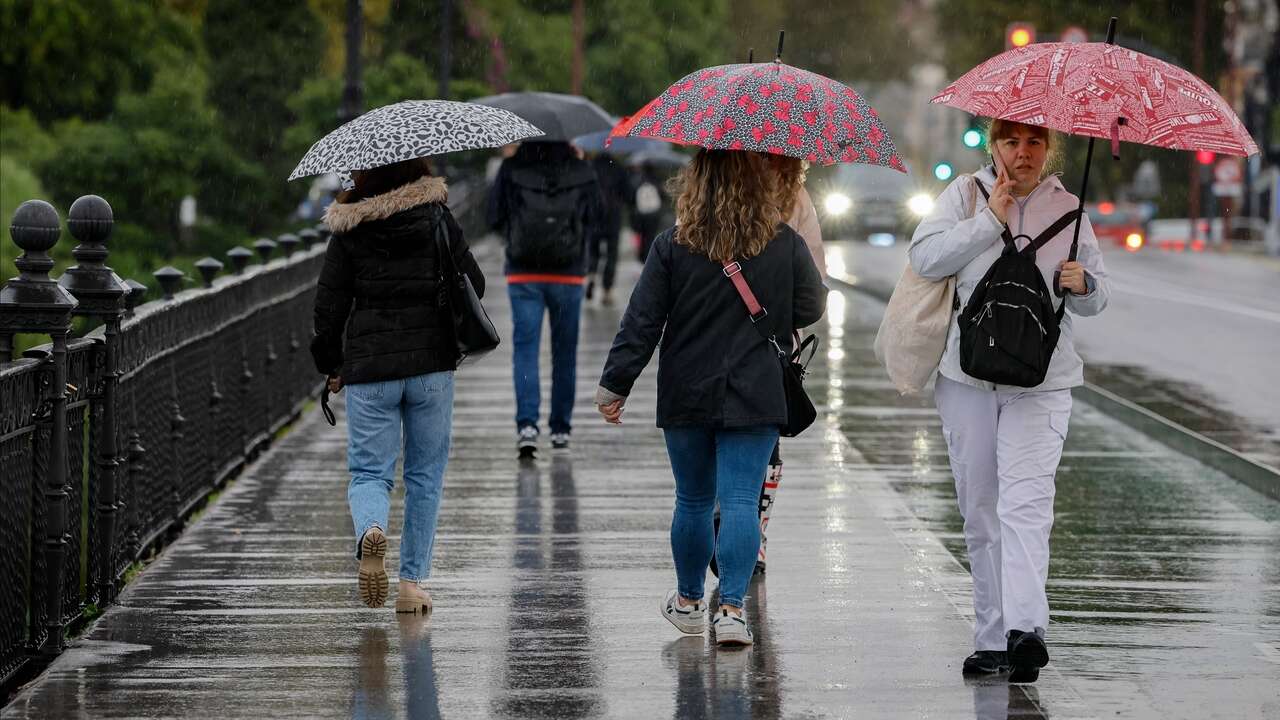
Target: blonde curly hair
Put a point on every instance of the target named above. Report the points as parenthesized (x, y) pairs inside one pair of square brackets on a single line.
[(729, 202)]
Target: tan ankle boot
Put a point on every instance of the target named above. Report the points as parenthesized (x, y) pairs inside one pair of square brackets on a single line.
[(372, 578), (413, 599)]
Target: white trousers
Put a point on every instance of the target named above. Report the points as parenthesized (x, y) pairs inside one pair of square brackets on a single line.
[(1004, 447)]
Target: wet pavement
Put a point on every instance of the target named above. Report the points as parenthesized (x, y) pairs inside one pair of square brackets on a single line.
[(1165, 582), (1192, 337)]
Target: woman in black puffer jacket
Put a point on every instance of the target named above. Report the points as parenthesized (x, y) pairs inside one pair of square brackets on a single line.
[(380, 288)]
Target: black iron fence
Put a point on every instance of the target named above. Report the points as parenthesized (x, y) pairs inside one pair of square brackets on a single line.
[(109, 441)]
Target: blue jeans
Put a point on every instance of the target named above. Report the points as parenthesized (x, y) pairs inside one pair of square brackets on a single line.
[(423, 405), (710, 465), (563, 303)]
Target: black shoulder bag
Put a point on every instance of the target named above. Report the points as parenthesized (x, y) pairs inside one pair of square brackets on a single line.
[(800, 410), (473, 331)]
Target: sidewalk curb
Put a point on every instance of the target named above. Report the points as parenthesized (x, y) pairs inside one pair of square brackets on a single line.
[(1263, 478)]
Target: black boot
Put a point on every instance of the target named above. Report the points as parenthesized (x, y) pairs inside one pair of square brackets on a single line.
[(986, 662), (1027, 654)]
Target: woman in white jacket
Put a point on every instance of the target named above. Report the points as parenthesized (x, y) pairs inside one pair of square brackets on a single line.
[(1005, 442)]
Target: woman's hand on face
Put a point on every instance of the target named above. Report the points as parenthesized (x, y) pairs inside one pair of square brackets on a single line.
[(335, 384), (1071, 277), (612, 412), (1001, 196)]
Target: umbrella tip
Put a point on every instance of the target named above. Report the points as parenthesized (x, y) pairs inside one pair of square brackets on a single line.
[(782, 34), (751, 55), (1111, 30)]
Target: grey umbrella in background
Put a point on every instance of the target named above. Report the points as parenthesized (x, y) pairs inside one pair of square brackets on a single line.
[(411, 129), (661, 157), (595, 143), (561, 117)]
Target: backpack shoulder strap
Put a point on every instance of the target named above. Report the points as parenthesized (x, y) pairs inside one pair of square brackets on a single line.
[(1052, 231)]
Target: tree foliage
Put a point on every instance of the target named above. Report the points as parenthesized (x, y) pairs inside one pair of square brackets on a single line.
[(63, 58)]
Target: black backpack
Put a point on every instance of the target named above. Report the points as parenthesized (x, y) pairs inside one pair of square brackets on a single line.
[(546, 226), (1009, 327)]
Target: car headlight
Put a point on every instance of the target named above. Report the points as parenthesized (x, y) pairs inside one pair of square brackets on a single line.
[(1133, 241), (920, 204), (837, 203)]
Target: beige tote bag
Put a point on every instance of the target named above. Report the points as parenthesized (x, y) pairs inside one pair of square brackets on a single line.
[(913, 333)]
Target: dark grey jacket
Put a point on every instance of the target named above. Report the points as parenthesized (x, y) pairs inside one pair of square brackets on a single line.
[(715, 369)]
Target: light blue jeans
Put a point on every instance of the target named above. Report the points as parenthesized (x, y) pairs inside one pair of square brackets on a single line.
[(727, 465), (423, 405)]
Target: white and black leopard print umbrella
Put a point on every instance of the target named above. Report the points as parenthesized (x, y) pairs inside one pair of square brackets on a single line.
[(411, 129)]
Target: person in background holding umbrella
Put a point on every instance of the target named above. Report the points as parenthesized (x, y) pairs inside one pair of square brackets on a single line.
[(546, 202), (1005, 442), (379, 288), (720, 397), (615, 185)]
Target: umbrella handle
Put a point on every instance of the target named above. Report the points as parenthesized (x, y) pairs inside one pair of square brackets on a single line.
[(1084, 183)]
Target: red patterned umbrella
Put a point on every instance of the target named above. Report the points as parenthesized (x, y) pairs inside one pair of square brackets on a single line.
[(1104, 91), (1100, 90), (766, 107)]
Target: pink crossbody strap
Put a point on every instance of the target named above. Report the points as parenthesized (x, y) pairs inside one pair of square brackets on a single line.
[(733, 271)]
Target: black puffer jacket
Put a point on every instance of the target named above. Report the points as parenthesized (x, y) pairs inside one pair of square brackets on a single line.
[(715, 369), (379, 286)]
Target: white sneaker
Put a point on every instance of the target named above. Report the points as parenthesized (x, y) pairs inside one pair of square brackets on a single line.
[(688, 619), (731, 629)]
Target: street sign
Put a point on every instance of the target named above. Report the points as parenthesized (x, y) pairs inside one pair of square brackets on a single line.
[(1074, 34), (1228, 177)]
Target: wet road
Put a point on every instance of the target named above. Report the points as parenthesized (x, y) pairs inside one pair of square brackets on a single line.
[(1191, 336), (1165, 582)]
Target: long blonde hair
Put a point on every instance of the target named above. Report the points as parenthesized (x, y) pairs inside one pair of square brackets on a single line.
[(729, 202)]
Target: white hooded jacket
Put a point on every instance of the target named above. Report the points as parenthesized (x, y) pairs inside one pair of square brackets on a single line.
[(961, 237)]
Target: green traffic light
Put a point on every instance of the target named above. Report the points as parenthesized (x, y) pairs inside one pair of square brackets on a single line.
[(972, 138), (943, 171)]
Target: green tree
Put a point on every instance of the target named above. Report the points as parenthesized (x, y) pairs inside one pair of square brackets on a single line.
[(636, 48), (259, 55), (64, 58), (158, 147)]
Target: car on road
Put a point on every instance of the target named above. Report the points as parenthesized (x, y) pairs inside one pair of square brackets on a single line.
[(871, 203), (1119, 224)]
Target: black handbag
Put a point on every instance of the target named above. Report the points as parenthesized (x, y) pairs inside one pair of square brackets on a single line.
[(800, 410), (472, 329)]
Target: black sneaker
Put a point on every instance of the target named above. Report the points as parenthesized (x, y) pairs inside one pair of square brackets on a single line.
[(1027, 654), (527, 441), (986, 662)]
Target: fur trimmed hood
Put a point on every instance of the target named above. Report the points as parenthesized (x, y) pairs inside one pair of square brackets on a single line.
[(342, 217)]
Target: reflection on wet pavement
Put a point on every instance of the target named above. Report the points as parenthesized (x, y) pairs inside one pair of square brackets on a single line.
[(549, 670)]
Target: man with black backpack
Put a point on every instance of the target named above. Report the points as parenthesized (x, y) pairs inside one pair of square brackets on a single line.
[(546, 202)]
